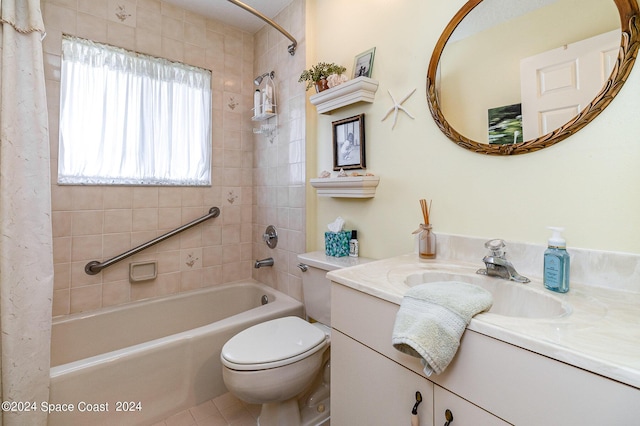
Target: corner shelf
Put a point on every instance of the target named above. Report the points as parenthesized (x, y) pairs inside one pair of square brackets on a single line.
[(268, 130), (361, 89), (346, 187), (263, 117)]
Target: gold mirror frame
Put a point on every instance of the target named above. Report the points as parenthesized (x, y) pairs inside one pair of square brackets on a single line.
[(630, 41)]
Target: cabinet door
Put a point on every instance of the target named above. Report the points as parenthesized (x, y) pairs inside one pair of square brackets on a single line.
[(370, 389), (464, 413)]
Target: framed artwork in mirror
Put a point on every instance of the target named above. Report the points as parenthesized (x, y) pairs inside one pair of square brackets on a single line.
[(348, 143), (505, 125), (363, 63)]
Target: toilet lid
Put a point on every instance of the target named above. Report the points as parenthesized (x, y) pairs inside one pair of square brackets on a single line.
[(272, 341)]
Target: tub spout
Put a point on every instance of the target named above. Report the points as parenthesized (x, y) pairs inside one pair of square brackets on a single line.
[(264, 262)]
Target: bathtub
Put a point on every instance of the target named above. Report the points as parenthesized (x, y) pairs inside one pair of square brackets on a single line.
[(138, 363)]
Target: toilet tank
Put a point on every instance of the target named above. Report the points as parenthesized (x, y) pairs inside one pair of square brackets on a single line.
[(316, 288)]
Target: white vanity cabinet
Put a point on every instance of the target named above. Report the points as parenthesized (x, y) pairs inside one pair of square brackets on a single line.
[(489, 382), (369, 389)]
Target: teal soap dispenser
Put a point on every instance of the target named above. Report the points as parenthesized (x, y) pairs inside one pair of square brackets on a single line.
[(556, 263)]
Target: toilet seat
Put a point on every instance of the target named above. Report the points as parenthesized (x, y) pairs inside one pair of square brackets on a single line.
[(272, 344)]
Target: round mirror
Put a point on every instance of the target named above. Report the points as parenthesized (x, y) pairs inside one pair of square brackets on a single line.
[(515, 76)]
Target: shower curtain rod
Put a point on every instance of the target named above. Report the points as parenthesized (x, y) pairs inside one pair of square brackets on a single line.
[(292, 46)]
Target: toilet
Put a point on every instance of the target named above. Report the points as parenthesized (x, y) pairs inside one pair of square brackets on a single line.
[(284, 364)]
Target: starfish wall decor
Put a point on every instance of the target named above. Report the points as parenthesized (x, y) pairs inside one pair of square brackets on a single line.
[(396, 107)]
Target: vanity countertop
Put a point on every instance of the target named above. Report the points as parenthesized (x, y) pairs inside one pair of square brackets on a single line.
[(601, 334)]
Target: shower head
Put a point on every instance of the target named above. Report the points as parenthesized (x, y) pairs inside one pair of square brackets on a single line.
[(259, 79)]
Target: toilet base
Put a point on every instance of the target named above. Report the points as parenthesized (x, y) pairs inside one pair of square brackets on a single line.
[(316, 415), (285, 413), (289, 413)]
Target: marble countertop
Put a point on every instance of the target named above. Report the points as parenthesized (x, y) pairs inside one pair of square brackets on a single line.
[(599, 332)]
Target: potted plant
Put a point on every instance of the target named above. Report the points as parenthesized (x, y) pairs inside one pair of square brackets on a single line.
[(317, 75)]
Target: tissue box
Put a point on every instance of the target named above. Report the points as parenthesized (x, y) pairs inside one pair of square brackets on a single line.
[(337, 243)]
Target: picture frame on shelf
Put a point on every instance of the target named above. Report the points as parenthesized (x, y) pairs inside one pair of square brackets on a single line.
[(363, 63), (349, 143)]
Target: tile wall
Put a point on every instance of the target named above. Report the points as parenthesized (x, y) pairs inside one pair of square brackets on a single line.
[(98, 222), (279, 173)]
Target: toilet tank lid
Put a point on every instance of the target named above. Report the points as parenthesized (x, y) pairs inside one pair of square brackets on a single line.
[(272, 341), (318, 259)]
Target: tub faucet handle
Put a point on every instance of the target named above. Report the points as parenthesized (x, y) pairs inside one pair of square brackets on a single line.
[(270, 236)]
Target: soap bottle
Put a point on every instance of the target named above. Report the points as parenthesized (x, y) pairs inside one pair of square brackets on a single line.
[(267, 104), (257, 104), (556, 263), (269, 91), (353, 244)]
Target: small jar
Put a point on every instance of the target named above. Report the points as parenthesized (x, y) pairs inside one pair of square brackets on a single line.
[(426, 242)]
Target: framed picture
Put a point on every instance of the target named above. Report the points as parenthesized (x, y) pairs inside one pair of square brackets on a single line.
[(364, 63), (348, 143), (505, 125)]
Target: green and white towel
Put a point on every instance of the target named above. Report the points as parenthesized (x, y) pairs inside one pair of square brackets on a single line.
[(432, 318)]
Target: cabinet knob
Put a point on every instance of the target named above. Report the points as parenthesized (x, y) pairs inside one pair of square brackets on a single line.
[(448, 415)]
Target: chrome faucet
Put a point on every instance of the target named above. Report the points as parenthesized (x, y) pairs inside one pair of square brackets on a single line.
[(264, 262), (497, 265)]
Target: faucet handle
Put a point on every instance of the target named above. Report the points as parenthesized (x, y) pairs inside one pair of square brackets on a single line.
[(496, 247), (270, 236)]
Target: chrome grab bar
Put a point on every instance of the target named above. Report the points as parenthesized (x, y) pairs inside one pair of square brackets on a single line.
[(94, 267)]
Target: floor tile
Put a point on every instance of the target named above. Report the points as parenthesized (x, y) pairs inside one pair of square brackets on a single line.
[(224, 410)]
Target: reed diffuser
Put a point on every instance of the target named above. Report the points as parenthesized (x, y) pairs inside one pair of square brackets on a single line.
[(426, 237)]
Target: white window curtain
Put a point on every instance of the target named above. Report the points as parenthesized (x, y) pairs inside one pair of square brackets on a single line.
[(132, 119)]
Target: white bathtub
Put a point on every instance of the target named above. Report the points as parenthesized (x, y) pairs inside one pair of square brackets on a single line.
[(141, 362)]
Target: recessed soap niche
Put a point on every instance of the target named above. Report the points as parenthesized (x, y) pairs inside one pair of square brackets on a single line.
[(143, 271)]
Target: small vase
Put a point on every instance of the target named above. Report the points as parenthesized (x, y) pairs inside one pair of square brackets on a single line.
[(321, 85), (426, 242)]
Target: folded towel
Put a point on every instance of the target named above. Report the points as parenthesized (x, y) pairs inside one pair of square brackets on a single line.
[(432, 318)]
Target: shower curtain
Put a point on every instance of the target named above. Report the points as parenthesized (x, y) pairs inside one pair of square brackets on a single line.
[(26, 259)]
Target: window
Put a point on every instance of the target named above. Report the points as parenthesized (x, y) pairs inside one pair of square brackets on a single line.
[(132, 119)]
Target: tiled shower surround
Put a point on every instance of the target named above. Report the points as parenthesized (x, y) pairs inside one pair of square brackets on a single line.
[(255, 181)]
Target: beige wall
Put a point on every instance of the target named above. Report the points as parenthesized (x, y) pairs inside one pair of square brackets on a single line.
[(587, 183), (98, 222)]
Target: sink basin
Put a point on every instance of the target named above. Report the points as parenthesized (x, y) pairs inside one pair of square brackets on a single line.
[(509, 298)]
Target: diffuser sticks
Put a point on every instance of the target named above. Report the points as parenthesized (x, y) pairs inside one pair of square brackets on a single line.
[(425, 210)]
